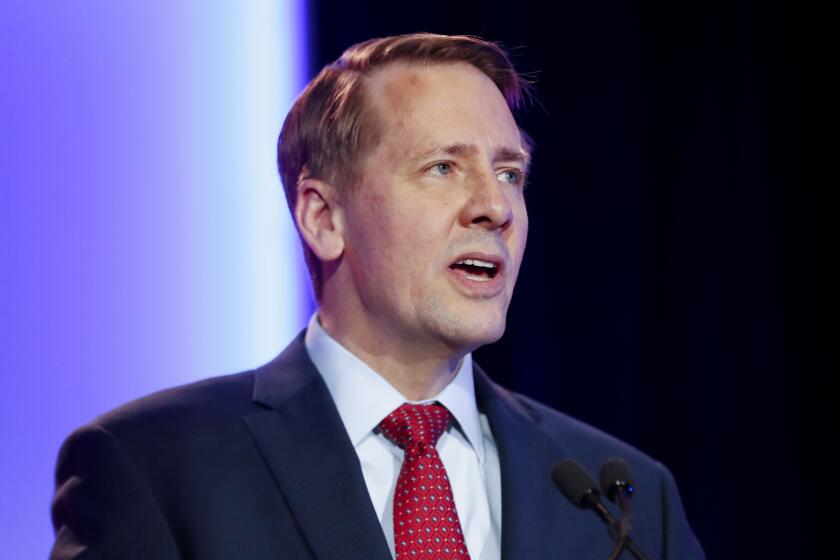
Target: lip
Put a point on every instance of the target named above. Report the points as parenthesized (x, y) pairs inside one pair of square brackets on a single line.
[(479, 288)]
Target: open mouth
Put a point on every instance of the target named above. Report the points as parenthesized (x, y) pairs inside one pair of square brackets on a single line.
[(476, 269)]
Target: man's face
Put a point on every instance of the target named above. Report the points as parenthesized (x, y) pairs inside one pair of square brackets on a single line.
[(435, 230)]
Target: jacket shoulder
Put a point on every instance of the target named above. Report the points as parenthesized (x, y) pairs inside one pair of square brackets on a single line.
[(563, 436), (208, 400), (577, 436), (162, 437)]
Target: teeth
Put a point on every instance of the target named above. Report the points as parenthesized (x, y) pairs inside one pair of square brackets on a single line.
[(477, 262)]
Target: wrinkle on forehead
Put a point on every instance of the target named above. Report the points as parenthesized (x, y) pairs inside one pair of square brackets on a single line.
[(392, 78), (401, 90)]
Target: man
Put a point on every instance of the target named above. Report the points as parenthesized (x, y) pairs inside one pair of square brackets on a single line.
[(404, 169)]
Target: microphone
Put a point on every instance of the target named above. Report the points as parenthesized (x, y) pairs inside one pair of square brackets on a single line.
[(616, 480), (575, 483), (578, 487)]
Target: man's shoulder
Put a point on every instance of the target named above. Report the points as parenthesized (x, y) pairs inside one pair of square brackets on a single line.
[(214, 400), (564, 436), (219, 396), (574, 431), (189, 411), (529, 424)]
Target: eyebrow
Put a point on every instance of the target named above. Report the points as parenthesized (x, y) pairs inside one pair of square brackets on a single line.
[(521, 155)]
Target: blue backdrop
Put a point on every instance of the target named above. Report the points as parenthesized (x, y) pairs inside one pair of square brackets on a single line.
[(144, 237)]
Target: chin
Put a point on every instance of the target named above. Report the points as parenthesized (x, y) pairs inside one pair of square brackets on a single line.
[(464, 326), (468, 334)]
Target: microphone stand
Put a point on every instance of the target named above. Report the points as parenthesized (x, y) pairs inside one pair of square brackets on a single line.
[(622, 527)]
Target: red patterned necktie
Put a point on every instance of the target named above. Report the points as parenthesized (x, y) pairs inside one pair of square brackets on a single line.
[(426, 525)]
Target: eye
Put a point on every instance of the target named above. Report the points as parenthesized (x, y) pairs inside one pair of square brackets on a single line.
[(442, 168), (511, 176)]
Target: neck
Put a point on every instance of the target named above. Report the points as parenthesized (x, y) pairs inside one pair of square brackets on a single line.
[(418, 372)]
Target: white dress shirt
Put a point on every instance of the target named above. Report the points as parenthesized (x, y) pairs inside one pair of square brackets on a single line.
[(466, 448)]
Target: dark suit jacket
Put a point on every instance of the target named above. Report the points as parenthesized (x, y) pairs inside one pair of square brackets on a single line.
[(258, 465)]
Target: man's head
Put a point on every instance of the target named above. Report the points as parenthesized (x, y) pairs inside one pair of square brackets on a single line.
[(404, 168)]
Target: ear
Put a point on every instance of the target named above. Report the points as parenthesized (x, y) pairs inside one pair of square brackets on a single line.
[(319, 218)]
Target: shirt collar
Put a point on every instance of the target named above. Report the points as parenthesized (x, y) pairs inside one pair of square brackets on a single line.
[(364, 398)]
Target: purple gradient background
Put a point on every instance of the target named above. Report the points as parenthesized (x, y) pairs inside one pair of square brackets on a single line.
[(145, 239)]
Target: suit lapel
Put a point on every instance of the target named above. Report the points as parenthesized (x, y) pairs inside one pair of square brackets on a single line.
[(306, 447), (536, 520), (313, 461)]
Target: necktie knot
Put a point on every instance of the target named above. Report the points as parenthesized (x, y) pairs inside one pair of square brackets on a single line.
[(415, 427)]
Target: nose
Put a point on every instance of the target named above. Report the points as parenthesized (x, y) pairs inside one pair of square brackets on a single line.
[(489, 205)]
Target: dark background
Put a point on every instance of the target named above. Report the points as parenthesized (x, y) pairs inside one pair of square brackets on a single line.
[(674, 281)]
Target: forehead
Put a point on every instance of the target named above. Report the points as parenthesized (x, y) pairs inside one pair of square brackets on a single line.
[(439, 103)]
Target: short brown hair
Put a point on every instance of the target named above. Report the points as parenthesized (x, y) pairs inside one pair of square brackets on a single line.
[(331, 127)]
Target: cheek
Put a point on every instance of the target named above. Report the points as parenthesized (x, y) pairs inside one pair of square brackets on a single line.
[(520, 218), (391, 236), (519, 239)]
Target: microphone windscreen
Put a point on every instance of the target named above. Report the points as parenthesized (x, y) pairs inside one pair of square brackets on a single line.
[(614, 473), (573, 482)]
